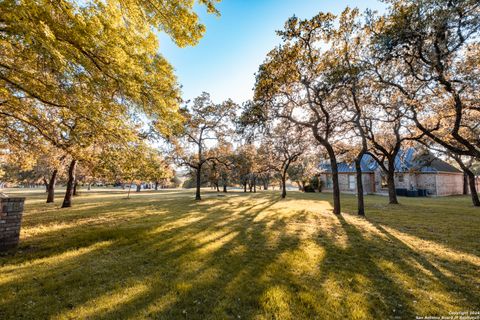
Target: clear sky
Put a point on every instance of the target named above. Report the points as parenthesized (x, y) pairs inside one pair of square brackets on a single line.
[(236, 43)]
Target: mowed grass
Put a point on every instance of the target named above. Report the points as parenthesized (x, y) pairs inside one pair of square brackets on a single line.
[(162, 255)]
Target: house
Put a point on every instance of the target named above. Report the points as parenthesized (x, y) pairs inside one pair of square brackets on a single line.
[(414, 170)]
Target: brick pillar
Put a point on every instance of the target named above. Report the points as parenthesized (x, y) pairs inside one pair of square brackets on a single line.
[(11, 211)]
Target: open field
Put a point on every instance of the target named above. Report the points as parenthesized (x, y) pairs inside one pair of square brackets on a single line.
[(242, 256)]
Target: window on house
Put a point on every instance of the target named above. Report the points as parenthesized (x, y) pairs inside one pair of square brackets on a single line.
[(329, 181), (352, 182), (384, 181), (400, 177)]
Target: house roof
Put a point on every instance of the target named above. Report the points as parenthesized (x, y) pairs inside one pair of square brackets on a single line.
[(406, 160)]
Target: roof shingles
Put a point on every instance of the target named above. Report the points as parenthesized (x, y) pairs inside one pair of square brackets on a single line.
[(406, 161)]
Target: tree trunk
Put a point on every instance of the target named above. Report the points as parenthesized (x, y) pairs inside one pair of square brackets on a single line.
[(129, 189), (284, 187), (255, 185), (473, 188), (45, 183), (139, 187), (217, 187), (465, 183), (156, 185), (89, 186), (265, 186), (51, 187), (67, 201), (198, 184), (336, 186), (471, 181), (392, 195), (225, 188), (75, 185), (360, 201), (244, 187)]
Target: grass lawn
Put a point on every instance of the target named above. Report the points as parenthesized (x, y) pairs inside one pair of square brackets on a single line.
[(242, 256)]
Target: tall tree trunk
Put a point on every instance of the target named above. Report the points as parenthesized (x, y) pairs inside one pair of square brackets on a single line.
[(198, 183), (225, 187), (360, 201), (284, 186), (45, 183), (254, 185), (156, 185), (336, 185), (139, 187), (75, 185), (465, 183), (471, 180), (67, 201), (217, 187), (244, 187), (473, 188), (265, 185), (89, 186), (51, 187), (392, 195)]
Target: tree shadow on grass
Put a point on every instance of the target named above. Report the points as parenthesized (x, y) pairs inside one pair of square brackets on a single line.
[(137, 248), (352, 280), (218, 259), (456, 283)]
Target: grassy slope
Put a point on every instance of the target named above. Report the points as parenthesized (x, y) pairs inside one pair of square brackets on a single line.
[(162, 255)]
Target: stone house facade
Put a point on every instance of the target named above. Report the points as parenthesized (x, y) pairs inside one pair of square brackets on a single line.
[(414, 171)]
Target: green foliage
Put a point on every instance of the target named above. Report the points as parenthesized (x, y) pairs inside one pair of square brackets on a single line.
[(83, 74)]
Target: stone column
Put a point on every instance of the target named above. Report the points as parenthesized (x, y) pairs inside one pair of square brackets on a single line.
[(11, 211)]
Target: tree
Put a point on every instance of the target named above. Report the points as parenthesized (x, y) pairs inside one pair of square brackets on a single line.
[(35, 161), (205, 122), (466, 165), (433, 50), (299, 80), (155, 168), (285, 144), (124, 163), (352, 48), (219, 167), (303, 170), (386, 131), (55, 54), (244, 163), (66, 66)]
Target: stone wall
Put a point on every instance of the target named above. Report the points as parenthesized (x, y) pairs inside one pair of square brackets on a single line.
[(441, 184), (344, 185), (402, 180), (368, 182), (449, 184), (427, 181), (11, 211)]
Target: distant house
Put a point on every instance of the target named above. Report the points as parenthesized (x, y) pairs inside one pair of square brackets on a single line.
[(413, 171)]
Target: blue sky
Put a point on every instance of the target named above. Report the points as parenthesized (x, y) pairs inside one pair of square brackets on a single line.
[(236, 43)]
